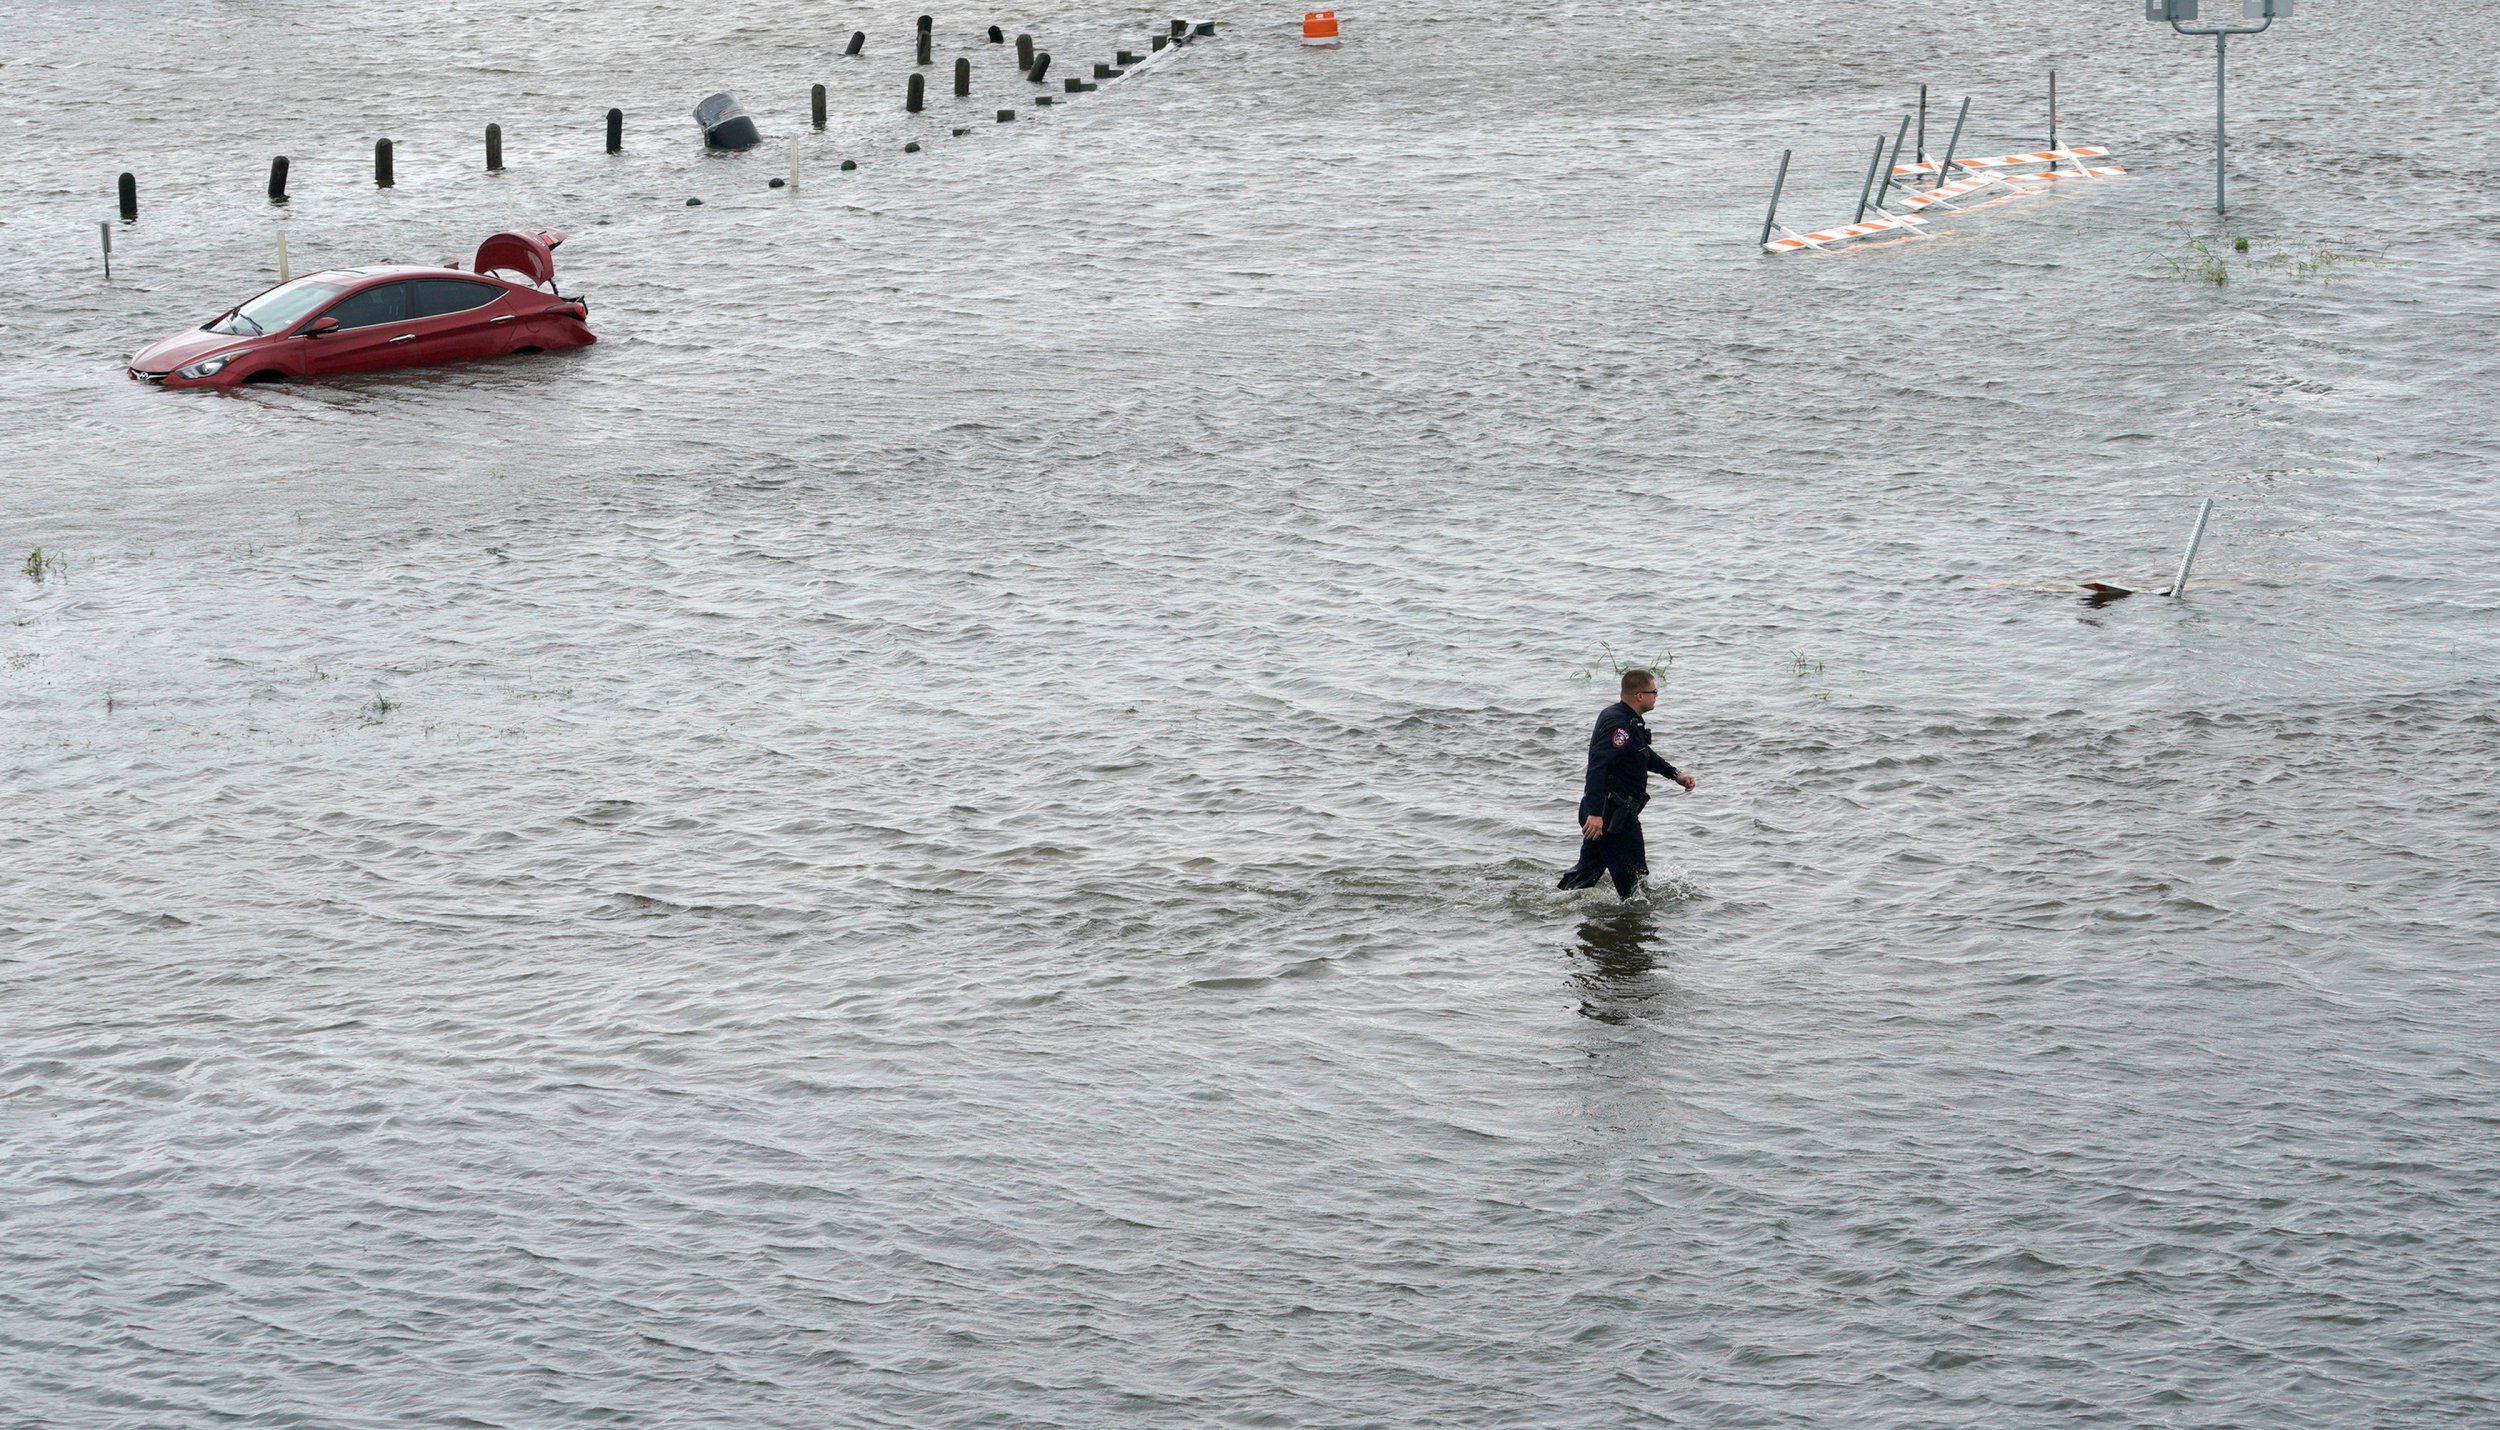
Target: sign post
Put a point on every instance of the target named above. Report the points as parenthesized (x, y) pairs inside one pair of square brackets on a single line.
[(2264, 12)]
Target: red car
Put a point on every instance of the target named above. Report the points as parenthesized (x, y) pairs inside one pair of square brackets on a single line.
[(360, 319)]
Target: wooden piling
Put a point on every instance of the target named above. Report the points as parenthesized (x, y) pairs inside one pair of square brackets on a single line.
[(997, 35), (1024, 52), (1041, 65), (816, 105), (130, 196), (1006, 115), (382, 163), (494, 148), (963, 76), (277, 180), (922, 47), (859, 38), (616, 131), (911, 94)]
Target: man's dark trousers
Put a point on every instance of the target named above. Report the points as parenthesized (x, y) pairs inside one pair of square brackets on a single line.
[(1619, 852)]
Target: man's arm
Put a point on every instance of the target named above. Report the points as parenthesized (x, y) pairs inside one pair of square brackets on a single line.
[(1593, 788), (1658, 765)]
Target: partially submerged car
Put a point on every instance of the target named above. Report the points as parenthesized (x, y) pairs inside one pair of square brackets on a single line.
[(360, 319)]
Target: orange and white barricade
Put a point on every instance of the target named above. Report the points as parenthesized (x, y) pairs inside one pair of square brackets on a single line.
[(2018, 174), (1319, 27), (1790, 240)]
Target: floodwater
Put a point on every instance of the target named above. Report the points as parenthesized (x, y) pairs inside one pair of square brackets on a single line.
[(956, 825)]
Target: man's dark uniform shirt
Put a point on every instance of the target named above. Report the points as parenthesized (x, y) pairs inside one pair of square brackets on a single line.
[(1620, 763)]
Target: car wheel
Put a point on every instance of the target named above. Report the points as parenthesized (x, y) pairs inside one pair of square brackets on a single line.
[(529, 350), (267, 374)]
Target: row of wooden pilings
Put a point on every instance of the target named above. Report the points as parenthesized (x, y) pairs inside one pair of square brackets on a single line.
[(1032, 63)]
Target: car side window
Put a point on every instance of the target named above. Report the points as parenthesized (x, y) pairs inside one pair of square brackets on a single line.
[(437, 296), (385, 304)]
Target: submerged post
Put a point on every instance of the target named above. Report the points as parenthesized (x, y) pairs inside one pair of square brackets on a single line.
[(911, 94), (2196, 536), (616, 130), (283, 272), (1944, 171), (1041, 65), (1884, 190), (963, 76), (858, 39), (277, 180), (921, 45), (1024, 52), (1922, 124), (382, 163), (1776, 185), (2052, 109), (104, 231), (1868, 187), (816, 105), (494, 148), (129, 187)]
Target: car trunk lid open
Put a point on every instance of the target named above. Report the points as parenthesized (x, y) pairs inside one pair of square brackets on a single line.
[(530, 255)]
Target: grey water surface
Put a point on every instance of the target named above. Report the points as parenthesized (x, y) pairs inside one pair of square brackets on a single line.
[(956, 824)]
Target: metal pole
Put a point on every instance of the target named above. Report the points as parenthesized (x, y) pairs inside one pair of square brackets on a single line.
[(1886, 188), (2195, 537), (1776, 185), (2221, 41), (1869, 186), (104, 230), (2221, 73), (1922, 124), (2052, 109), (1944, 171)]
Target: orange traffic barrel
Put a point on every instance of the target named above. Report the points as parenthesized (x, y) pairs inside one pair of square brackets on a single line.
[(1319, 27)]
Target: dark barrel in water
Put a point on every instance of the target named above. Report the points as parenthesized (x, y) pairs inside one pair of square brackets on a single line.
[(725, 123)]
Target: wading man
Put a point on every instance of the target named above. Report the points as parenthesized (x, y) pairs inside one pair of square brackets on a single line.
[(1620, 762)]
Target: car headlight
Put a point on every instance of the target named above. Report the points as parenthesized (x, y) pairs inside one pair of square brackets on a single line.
[(207, 367)]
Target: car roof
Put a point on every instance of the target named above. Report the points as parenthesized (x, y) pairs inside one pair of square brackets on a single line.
[(398, 270)]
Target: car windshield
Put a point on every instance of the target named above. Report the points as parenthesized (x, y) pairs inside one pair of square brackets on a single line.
[(278, 307)]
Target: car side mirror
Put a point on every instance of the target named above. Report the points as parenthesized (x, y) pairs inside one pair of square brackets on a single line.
[(321, 326)]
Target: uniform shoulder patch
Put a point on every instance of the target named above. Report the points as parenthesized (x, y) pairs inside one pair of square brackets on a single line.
[(1622, 737)]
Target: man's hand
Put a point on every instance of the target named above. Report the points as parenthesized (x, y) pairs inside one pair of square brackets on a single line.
[(1592, 827), (1684, 780)]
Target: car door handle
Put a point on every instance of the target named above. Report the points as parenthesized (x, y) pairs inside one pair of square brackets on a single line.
[(506, 318), (405, 338)]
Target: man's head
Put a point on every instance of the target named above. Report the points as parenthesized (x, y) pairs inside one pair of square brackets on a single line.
[(1640, 690)]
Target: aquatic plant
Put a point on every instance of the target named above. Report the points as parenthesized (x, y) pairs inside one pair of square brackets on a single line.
[(2209, 258), (1656, 665), (42, 564), (2201, 263)]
